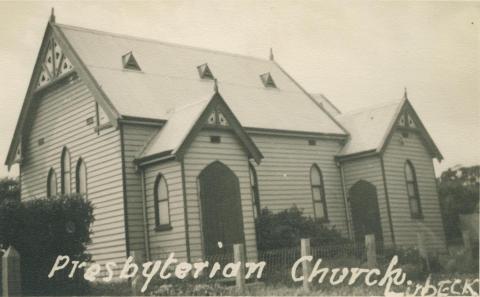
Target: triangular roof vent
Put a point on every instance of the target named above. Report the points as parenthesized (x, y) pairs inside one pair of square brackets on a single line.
[(268, 80), (129, 62), (205, 72)]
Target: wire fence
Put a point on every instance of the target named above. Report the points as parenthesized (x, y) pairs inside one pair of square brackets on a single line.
[(279, 262)]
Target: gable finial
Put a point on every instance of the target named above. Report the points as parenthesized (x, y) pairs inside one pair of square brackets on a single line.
[(215, 86), (52, 15), (271, 54), (405, 93)]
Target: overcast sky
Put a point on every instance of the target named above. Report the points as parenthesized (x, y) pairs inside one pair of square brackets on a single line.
[(356, 53)]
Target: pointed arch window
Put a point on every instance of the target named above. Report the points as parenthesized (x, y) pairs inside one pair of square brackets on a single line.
[(412, 190), (255, 192), (51, 183), (81, 178), (65, 172), (162, 208), (318, 193)]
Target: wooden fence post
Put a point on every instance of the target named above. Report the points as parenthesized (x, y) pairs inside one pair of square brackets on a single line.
[(239, 256), (138, 280), (371, 248), (467, 243), (305, 250), (11, 282), (422, 249)]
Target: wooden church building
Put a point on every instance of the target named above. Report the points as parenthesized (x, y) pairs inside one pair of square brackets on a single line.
[(179, 148)]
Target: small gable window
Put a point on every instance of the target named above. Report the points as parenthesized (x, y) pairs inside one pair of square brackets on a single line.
[(217, 117), (51, 183), (81, 177), (65, 172), (318, 193), (412, 190), (254, 188), (411, 122), (267, 80), (401, 121), (129, 62), (205, 72)]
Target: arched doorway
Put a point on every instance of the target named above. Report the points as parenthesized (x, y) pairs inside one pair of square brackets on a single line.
[(365, 211), (222, 219)]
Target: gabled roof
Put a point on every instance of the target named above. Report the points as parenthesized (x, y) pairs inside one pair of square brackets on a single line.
[(371, 128), (184, 124), (34, 88), (169, 79)]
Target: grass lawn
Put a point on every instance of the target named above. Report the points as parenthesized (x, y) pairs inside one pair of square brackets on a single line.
[(279, 289)]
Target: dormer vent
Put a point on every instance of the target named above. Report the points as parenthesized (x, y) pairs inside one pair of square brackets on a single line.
[(267, 80), (129, 62), (205, 72)]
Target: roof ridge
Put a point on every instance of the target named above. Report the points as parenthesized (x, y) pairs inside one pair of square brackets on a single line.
[(372, 107), (144, 39), (328, 101)]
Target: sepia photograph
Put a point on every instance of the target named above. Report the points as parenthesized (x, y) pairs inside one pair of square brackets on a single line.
[(239, 148)]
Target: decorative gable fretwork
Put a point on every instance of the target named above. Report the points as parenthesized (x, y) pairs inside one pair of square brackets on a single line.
[(54, 64), (406, 121), (217, 118)]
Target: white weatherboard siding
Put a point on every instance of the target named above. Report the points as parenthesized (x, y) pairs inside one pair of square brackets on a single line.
[(134, 139), (284, 175), (369, 169), (162, 243), (60, 119), (405, 227), (231, 153)]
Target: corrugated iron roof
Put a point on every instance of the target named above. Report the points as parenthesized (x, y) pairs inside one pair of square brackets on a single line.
[(169, 80), (369, 127)]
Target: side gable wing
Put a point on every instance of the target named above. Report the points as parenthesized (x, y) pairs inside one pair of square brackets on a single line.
[(56, 61), (176, 136), (224, 116), (408, 120)]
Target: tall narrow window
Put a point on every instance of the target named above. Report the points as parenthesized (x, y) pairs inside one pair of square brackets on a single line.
[(65, 172), (412, 190), (51, 183), (254, 187), (81, 177), (318, 193), (162, 211)]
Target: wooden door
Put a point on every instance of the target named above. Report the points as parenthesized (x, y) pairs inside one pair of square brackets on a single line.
[(365, 211), (222, 219)]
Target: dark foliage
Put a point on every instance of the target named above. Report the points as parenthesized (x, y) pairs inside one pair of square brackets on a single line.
[(42, 229), (459, 194), (286, 228), (9, 189)]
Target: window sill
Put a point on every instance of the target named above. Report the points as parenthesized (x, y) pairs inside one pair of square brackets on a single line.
[(163, 228)]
